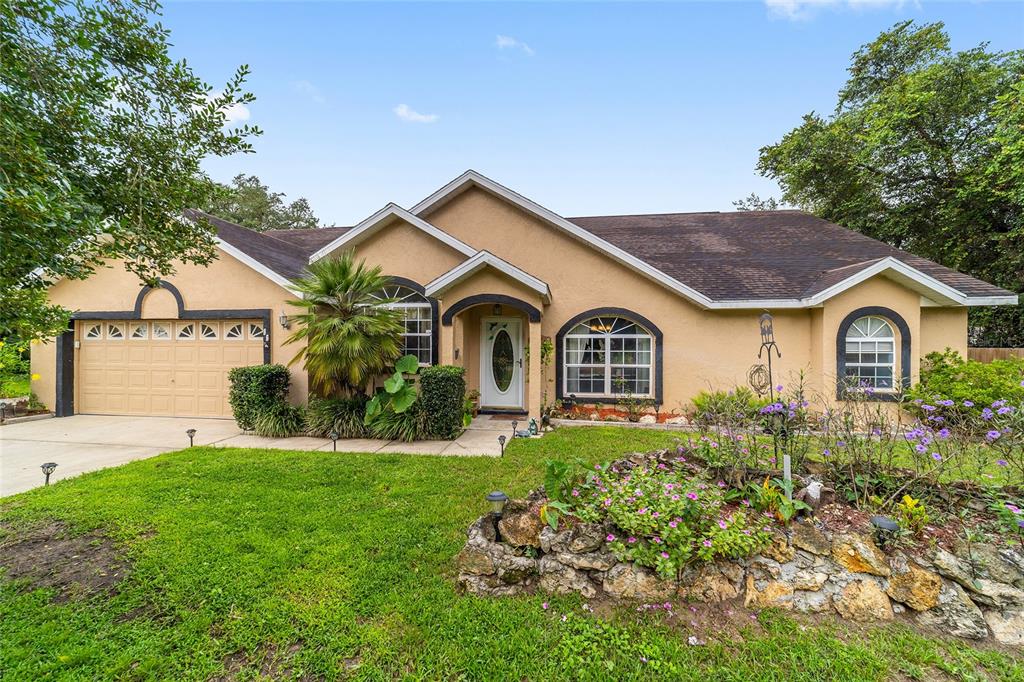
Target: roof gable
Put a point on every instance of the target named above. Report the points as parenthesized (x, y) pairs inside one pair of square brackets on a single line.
[(481, 260)]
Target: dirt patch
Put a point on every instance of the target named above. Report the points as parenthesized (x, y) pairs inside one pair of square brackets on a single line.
[(274, 662), (50, 556)]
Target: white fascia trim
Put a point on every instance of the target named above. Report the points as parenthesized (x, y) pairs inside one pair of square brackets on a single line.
[(558, 221), (371, 224), (259, 267), (943, 292), (480, 260)]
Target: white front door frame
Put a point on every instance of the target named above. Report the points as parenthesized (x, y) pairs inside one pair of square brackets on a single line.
[(491, 395)]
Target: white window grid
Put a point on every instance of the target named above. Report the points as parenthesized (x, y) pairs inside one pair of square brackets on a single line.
[(870, 354), (94, 332), (234, 332), (139, 331), (418, 320), (208, 331), (597, 350), (115, 331)]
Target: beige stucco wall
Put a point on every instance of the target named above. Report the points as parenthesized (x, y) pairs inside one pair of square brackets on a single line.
[(225, 284), (407, 251), (943, 328)]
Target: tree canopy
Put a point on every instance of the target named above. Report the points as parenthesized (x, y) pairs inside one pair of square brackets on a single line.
[(101, 138), (925, 151), (250, 203)]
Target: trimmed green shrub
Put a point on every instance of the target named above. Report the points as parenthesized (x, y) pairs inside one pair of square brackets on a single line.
[(280, 421), (344, 415), (711, 407), (406, 426), (949, 376), (257, 390), (443, 396)]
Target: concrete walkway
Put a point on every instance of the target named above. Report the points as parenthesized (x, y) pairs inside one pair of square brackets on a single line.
[(88, 442)]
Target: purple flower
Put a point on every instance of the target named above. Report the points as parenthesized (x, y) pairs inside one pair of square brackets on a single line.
[(946, 403), (968, 403), (993, 435), (692, 496), (1020, 524), (920, 447), (937, 457), (778, 388), (1005, 410), (928, 408), (943, 433), (986, 413), (1001, 462), (707, 543), (826, 452)]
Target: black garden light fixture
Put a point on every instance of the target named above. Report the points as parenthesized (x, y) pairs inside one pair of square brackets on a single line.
[(497, 500), (501, 442), (191, 433), (47, 470), (515, 424), (334, 436), (885, 529)]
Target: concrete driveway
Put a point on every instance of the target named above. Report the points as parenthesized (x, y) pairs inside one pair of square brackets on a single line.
[(88, 442)]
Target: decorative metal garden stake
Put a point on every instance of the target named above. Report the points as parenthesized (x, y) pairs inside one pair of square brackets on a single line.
[(787, 475), (334, 440), (768, 344), (497, 500), (47, 470), (191, 433), (501, 442)]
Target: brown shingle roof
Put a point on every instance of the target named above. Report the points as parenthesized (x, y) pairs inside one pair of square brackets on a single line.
[(725, 256), (759, 254)]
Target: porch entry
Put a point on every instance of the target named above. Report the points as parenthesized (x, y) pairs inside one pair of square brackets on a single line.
[(501, 363)]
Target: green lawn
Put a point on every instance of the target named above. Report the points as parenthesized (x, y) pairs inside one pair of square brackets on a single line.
[(14, 385), (334, 566)]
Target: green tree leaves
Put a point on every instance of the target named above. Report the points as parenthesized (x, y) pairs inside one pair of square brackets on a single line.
[(101, 139), (924, 151), (251, 204)]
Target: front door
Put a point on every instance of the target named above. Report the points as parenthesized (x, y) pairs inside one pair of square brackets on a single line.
[(501, 363)]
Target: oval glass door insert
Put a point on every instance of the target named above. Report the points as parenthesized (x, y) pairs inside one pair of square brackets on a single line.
[(502, 360)]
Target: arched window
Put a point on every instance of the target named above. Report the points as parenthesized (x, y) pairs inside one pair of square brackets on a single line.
[(870, 354), (418, 315), (606, 357)]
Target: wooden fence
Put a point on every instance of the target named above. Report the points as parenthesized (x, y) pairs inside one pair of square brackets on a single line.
[(990, 354)]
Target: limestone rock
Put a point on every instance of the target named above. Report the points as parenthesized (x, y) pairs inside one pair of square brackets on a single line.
[(912, 585), (557, 578), (983, 590), (779, 548), (1004, 564), (950, 566), (680, 419), (491, 586), (863, 601), (1007, 626), (514, 569), (812, 602), (591, 561), (763, 594), (808, 538), (996, 594), (648, 419), (955, 614), (628, 581), (713, 582), (809, 581), (520, 525), (475, 559), (859, 554), (587, 537), (554, 541)]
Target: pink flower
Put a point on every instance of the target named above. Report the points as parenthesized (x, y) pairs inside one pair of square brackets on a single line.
[(657, 540), (692, 496), (672, 524), (723, 525), (575, 493), (746, 503), (631, 540), (655, 515), (707, 543), (721, 484), (664, 555), (607, 501), (544, 606), (610, 538)]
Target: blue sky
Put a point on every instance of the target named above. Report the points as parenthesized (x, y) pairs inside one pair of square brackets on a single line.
[(586, 108)]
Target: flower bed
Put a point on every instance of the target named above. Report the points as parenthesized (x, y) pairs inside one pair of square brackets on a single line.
[(654, 528)]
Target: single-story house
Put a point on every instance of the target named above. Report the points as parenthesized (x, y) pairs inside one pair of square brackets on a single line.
[(659, 306)]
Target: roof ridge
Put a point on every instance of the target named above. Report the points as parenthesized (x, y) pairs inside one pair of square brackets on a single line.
[(672, 213)]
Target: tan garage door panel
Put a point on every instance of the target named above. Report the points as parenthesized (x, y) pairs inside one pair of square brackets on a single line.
[(164, 368)]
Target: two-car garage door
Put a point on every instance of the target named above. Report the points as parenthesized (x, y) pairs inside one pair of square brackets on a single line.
[(174, 368)]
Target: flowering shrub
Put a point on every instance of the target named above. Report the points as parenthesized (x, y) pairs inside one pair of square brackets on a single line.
[(968, 381), (667, 519)]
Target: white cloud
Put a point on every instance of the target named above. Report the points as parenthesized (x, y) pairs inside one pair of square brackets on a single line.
[(806, 9), (510, 43), (234, 113), (306, 88), (407, 113)]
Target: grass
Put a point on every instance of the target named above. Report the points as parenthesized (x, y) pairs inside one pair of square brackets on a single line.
[(14, 385), (343, 565)]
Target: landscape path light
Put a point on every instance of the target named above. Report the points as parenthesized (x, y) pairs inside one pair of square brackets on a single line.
[(334, 436), (497, 500), (885, 529), (47, 470), (501, 442), (191, 433)]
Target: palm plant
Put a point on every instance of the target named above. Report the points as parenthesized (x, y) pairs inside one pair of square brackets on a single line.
[(350, 334)]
